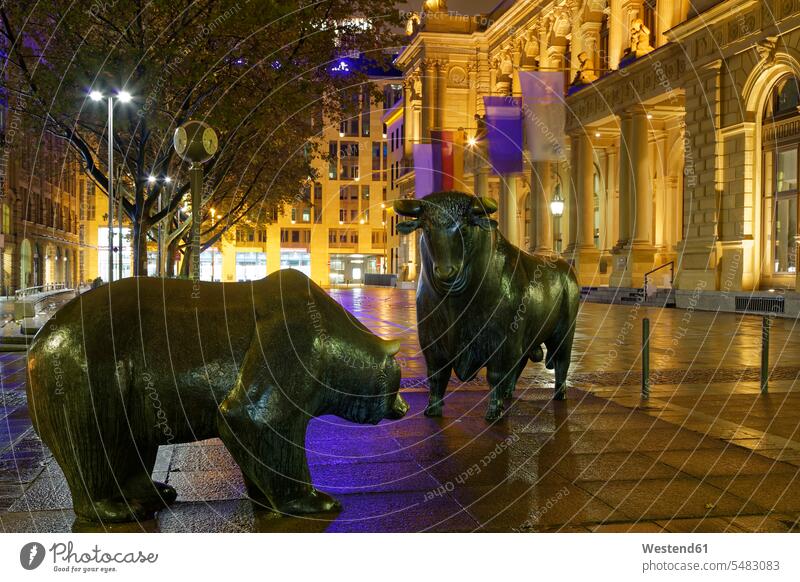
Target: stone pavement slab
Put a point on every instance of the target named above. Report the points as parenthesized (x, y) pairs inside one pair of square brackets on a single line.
[(707, 451)]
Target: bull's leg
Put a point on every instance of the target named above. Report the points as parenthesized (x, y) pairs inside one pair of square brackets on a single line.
[(510, 384), (502, 379), (437, 384), (562, 352)]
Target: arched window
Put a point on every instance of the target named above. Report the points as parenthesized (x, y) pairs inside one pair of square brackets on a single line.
[(784, 100), (781, 155)]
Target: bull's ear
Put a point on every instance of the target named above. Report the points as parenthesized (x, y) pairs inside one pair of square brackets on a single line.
[(407, 226), (483, 206), (408, 207), (484, 222)]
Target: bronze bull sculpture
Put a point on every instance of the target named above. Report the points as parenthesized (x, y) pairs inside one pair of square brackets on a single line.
[(482, 302), (144, 362)]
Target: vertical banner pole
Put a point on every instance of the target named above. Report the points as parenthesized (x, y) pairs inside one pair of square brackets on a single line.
[(765, 324), (646, 358)]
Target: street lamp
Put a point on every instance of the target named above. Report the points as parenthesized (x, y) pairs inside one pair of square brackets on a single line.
[(557, 210), (557, 205), (122, 97)]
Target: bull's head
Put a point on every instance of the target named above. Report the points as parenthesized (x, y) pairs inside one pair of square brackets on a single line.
[(453, 223)]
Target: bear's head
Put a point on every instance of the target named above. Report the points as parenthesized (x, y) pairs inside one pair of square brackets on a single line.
[(364, 380)]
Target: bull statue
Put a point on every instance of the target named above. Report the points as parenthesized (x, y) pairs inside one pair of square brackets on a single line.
[(482, 302), (145, 362)]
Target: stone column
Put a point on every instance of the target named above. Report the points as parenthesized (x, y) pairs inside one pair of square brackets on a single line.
[(590, 36), (571, 196), (585, 255), (508, 209), (640, 180), (615, 33), (428, 77), (634, 255), (441, 94), (407, 118), (585, 185), (482, 180), (625, 163), (472, 94), (516, 55), (541, 226)]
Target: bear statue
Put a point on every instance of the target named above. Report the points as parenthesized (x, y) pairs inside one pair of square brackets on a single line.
[(144, 362)]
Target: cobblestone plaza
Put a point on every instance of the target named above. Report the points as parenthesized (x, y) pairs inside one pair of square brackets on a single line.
[(707, 452)]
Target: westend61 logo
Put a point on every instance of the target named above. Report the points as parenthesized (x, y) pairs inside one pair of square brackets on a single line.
[(66, 559)]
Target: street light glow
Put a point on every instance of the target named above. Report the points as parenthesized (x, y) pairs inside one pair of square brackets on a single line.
[(124, 96), (151, 179), (167, 180), (95, 95)]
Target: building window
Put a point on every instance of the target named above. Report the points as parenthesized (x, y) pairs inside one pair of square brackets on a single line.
[(780, 159), (333, 160), (245, 234)]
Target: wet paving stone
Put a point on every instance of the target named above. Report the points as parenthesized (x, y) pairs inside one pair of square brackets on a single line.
[(707, 452)]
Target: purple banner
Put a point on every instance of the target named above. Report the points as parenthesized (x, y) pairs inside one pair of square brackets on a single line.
[(543, 108), (425, 170), (504, 130)]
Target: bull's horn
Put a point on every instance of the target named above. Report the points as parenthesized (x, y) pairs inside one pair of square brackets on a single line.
[(408, 207), (391, 347), (483, 205)]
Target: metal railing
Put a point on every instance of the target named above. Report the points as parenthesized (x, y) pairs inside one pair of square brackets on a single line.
[(647, 275), (20, 293)]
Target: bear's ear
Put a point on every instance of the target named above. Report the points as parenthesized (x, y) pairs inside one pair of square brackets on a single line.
[(407, 226), (391, 347)]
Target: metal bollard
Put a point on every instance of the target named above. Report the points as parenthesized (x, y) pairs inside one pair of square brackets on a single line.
[(765, 324), (646, 357)]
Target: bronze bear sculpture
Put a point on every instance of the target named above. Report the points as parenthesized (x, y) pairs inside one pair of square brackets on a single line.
[(145, 362), (482, 302)]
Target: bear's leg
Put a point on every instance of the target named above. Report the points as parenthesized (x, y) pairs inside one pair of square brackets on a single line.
[(140, 487), (270, 450), (94, 479), (438, 377)]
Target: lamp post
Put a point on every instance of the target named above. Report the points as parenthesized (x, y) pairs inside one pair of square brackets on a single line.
[(213, 214), (122, 97), (557, 210)]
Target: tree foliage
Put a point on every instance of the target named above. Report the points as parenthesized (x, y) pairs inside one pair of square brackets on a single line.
[(259, 72)]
